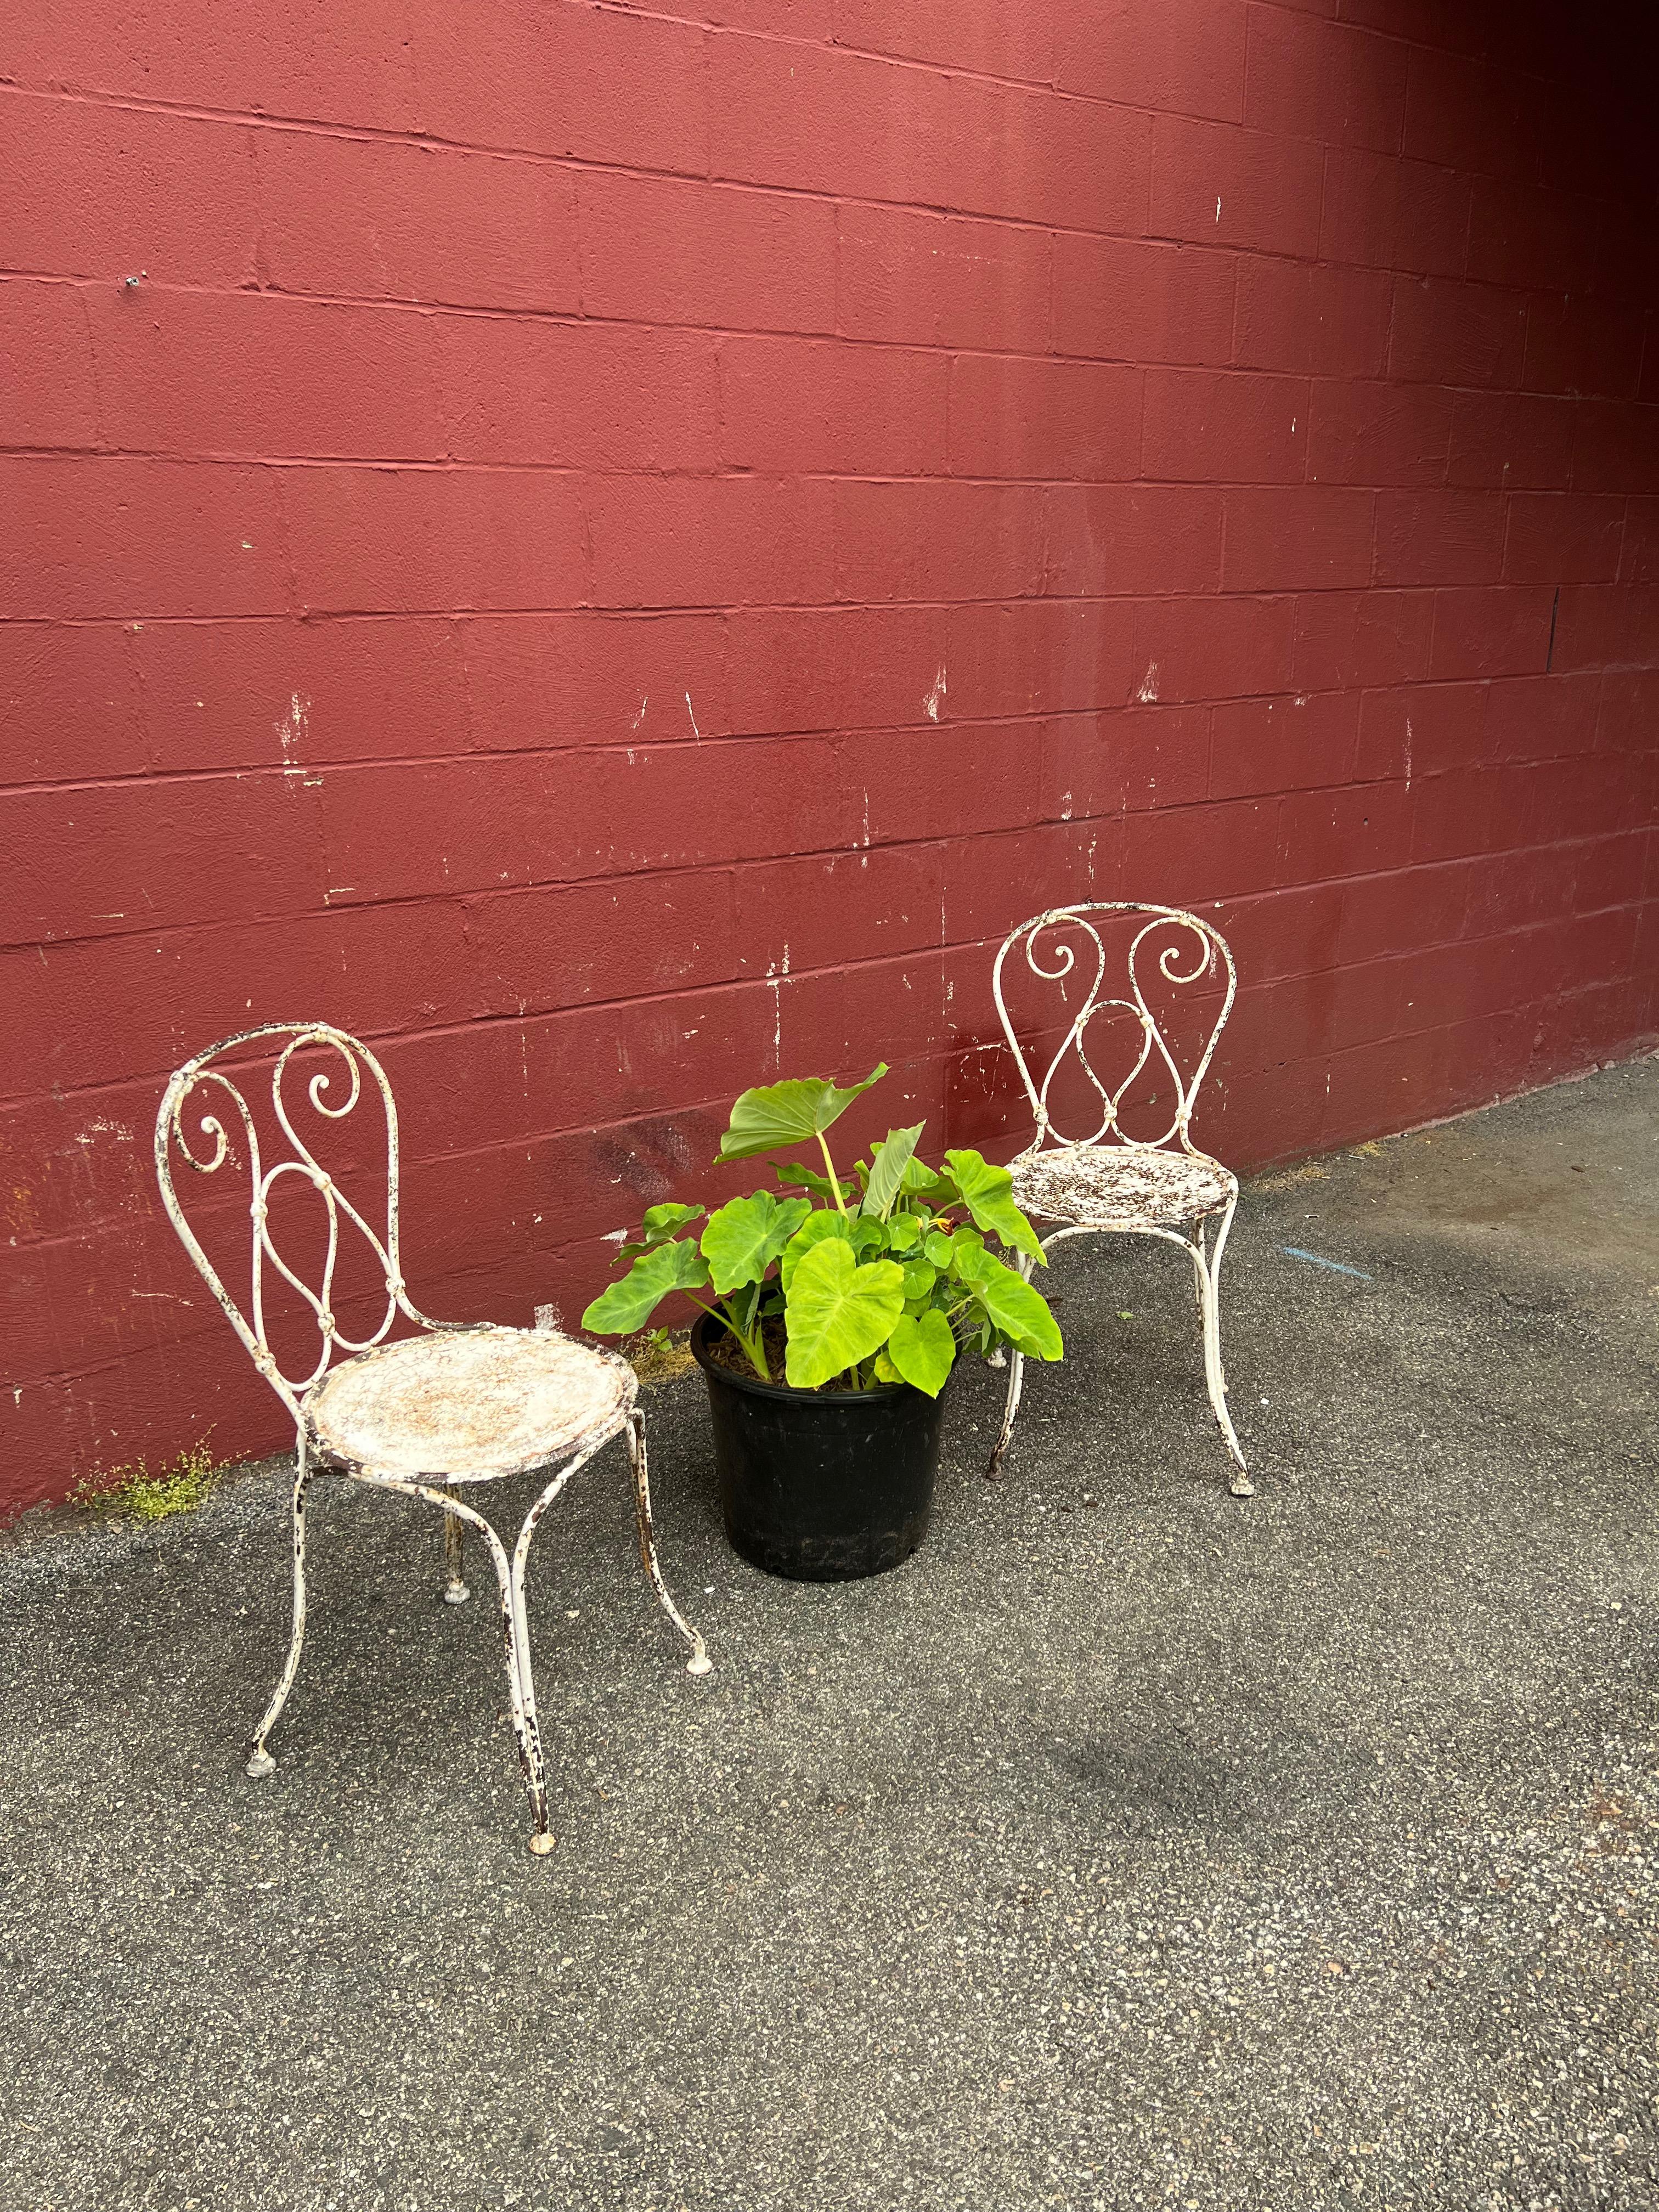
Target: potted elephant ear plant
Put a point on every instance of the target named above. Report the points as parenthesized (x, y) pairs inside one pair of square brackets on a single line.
[(834, 1309)]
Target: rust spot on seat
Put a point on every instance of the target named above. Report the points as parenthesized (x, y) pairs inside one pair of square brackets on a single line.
[(467, 1404), (1121, 1186)]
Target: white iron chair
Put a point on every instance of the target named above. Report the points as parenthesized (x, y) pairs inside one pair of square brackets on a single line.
[(461, 1403), (1109, 1183)]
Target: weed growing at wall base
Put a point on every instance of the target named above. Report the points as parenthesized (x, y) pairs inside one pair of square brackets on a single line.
[(133, 1494)]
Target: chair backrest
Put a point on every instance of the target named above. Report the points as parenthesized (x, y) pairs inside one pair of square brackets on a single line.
[(1207, 952), (347, 1055)]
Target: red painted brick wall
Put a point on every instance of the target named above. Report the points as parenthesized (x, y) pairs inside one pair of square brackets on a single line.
[(617, 549)]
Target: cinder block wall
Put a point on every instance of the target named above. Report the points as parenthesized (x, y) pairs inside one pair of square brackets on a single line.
[(615, 550)]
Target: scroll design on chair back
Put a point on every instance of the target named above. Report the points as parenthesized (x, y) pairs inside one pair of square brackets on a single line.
[(1196, 950), (201, 1083)]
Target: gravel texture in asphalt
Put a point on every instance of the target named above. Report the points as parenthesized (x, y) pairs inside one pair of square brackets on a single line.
[(1132, 1845)]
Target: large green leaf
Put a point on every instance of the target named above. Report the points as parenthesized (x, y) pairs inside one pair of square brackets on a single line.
[(747, 1234), (812, 1230), (798, 1178), (781, 1114), (660, 1223), (904, 1232), (630, 1303), (923, 1348), (887, 1165), (1011, 1305), (988, 1194), (927, 1184), (838, 1312), (919, 1280)]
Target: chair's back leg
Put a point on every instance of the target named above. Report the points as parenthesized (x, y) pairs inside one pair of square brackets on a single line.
[(455, 1588), (1016, 1385), (1009, 1408), (700, 1661), (259, 1761)]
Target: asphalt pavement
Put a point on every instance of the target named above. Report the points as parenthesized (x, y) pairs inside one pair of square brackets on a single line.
[(1133, 1845)]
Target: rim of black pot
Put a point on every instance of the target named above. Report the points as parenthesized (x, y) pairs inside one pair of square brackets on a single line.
[(706, 1324)]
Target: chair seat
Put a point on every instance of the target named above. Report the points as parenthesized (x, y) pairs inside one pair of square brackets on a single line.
[(465, 1404), (1121, 1186)]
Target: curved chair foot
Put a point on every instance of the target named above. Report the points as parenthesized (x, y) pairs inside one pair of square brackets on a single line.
[(457, 1594), (700, 1662), (541, 1843), (259, 1761), (1240, 1485)]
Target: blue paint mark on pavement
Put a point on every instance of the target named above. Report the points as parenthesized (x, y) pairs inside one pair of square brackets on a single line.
[(1336, 1267)]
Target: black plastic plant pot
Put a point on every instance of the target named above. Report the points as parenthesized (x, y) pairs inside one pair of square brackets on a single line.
[(821, 1486)]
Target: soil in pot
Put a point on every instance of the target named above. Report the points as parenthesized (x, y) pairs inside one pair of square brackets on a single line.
[(818, 1485)]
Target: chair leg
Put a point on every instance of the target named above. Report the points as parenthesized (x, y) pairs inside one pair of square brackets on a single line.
[(521, 1685), (1016, 1385), (456, 1591), (1009, 1408), (1210, 1299), (699, 1662), (259, 1761), (516, 1632)]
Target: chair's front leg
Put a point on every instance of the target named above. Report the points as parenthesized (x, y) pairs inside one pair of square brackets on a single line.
[(516, 1627), (1210, 1282), (515, 1646), (259, 1761), (699, 1662)]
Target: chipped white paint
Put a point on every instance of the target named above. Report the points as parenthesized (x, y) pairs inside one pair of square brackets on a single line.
[(1217, 207), (291, 731), (692, 711), (462, 1403), (1147, 694), (935, 697), (1109, 1183), (640, 717), (1408, 752)]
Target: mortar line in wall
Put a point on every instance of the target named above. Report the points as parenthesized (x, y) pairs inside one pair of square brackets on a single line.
[(1296, 9), (944, 951), (248, 771), (728, 472), (373, 134), (529, 311), (685, 872), (713, 611), (428, 309), (1641, 1050), (732, 34)]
